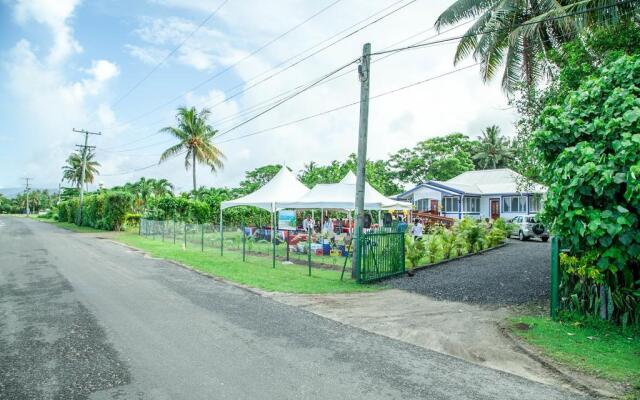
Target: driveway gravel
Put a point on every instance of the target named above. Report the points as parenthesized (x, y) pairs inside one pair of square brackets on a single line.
[(514, 274)]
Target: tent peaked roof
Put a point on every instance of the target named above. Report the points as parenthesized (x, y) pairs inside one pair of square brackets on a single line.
[(342, 196), (283, 187), (349, 178)]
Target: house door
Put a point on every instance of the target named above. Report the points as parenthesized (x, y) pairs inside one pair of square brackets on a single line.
[(434, 207), (495, 208)]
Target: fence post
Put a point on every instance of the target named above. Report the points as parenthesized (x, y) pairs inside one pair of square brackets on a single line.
[(153, 230), (140, 226), (201, 237), (309, 249), (555, 261), (287, 238), (221, 239), (244, 241), (164, 223), (185, 235), (174, 230)]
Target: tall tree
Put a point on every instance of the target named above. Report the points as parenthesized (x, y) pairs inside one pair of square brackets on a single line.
[(161, 187), (256, 178), (494, 150), (438, 158), (519, 33), (195, 137), (72, 171)]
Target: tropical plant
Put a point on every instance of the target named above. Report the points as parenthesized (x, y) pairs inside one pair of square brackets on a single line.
[(520, 34), (434, 247), (593, 172), (195, 141), (72, 171), (494, 150), (448, 239), (414, 250)]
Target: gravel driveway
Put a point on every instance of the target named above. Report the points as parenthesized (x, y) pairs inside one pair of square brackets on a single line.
[(514, 274)]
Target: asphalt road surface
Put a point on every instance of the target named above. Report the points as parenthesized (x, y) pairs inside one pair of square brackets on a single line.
[(84, 318)]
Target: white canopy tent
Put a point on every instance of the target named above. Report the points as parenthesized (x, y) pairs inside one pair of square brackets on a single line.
[(342, 196), (284, 187)]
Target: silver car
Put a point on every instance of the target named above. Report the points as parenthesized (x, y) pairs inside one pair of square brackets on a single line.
[(527, 227)]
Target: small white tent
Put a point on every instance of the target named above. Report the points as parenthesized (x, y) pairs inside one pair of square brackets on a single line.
[(342, 196), (284, 187)]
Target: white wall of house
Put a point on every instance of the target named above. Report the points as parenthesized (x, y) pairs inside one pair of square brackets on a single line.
[(485, 206)]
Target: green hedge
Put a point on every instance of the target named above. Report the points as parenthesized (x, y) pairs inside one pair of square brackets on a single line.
[(105, 210)]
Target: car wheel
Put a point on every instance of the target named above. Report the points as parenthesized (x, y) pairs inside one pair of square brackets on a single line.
[(544, 239), (521, 236)]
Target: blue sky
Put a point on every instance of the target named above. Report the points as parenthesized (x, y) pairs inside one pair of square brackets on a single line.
[(65, 63)]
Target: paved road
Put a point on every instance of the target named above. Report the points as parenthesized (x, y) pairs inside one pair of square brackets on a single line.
[(84, 318), (515, 274)]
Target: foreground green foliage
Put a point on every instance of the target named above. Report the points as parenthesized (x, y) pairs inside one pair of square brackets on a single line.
[(587, 344), (591, 145), (257, 272)]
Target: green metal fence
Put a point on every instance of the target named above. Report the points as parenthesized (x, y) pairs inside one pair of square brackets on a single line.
[(381, 255)]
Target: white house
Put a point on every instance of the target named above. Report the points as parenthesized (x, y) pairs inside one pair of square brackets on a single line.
[(489, 193)]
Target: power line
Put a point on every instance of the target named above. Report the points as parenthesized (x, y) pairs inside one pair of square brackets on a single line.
[(171, 53), (202, 83), (585, 11), (274, 99), (347, 105)]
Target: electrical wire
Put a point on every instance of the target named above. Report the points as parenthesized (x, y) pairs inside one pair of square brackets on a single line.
[(346, 105), (202, 83)]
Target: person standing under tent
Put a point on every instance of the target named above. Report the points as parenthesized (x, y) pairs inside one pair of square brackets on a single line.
[(416, 231), (328, 226), (402, 226), (308, 223)]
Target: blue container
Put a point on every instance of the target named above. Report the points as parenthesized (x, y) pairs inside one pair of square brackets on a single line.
[(342, 249), (326, 249)]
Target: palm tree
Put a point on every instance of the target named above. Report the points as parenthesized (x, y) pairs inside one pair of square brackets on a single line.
[(161, 187), (72, 172), (499, 37), (194, 135), (494, 150)]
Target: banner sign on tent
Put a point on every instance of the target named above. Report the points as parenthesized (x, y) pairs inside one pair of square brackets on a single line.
[(287, 219)]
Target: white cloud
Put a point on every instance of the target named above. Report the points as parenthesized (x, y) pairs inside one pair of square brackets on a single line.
[(207, 49), (55, 14)]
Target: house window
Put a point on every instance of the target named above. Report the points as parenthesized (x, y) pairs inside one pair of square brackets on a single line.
[(422, 205), (471, 204), (451, 204), (535, 203), (514, 204)]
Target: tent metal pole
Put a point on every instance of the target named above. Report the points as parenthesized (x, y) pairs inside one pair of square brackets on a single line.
[(273, 236), (221, 233)]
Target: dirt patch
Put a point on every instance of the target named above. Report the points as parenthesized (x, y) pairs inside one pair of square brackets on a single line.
[(521, 326), (466, 331)]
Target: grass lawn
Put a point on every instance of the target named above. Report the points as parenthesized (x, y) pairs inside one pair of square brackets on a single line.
[(69, 226), (256, 272), (590, 346)]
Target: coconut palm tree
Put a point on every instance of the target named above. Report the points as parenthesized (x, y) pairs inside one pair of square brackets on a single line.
[(72, 172), (519, 33), (494, 150), (161, 187), (195, 136)]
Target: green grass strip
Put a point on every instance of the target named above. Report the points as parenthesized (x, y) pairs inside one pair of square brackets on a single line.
[(256, 272), (591, 346)]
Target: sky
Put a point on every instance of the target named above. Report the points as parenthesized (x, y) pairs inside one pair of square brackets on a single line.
[(96, 65)]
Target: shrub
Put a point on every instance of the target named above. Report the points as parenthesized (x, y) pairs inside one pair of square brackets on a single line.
[(434, 246), (131, 219), (591, 148), (414, 250)]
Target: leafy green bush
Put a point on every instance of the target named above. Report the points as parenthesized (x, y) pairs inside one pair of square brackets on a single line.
[(132, 219), (434, 247), (591, 148), (414, 250)]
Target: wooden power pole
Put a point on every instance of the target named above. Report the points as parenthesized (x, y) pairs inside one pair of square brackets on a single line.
[(84, 148), (364, 74)]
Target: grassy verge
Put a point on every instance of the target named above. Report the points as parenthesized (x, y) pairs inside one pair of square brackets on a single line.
[(69, 226), (591, 346), (257, 272)]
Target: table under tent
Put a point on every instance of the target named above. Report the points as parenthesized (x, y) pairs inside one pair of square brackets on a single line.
[(285, 192)]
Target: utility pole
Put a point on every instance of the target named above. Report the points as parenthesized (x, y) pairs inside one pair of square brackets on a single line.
[(27, 189), (84, 167), (364, 75)]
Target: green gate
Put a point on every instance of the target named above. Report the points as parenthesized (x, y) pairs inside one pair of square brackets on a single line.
[(381, 255)]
